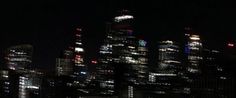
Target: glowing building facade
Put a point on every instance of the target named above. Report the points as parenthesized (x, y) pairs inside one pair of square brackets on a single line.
[(122, 56), (124, 52), (19, 57), (123, 40), (105, 69), (80, 69), (30, 85), (20, 80), (4, 84), (193, 54), (169, 57), (166, 78), (64, 67), (141, 69), (9, 84), (193, 51)]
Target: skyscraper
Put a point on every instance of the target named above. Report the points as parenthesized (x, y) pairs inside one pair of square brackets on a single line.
[(30, 85), (64, 65), (124, 52), (123, 40), (193, 54), (80, 69), (193, 50), (119, 53), (141, 69), (166, 78), (105, 69)]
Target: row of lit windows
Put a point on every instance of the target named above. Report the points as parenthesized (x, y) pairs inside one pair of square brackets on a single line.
[(191, 57), (195, 43), (142, 49), (168, 49), (192, 70), (106, 71), (167, 42), (107, 85), (105, 52), (19, 60)]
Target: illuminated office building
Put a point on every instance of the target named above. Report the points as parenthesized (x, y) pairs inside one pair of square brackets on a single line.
[(124, 45), (64, 67), (124, 53), (119, 54), (19, 57), (71, 70), (9, 84), (105, 69), (193, 49), (141, 69), (80, 69), (4, 84), (166, 79), (193, 56), (169, 57), (30, 85), (123, 40)]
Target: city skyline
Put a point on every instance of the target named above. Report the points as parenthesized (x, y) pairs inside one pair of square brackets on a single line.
[(117, 49), (49, 26)]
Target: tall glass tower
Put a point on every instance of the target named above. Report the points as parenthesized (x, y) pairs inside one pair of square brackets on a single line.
[(105, 69), (193, 49), (80, 69), (141, 69), (122, 56), (123, 39), (124, 51), (193, 53)]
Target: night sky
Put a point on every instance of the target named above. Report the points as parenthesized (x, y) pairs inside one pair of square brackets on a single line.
[(48, 24)]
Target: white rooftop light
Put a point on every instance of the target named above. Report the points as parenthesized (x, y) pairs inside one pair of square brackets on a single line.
[(194, 37), (123, 17)]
